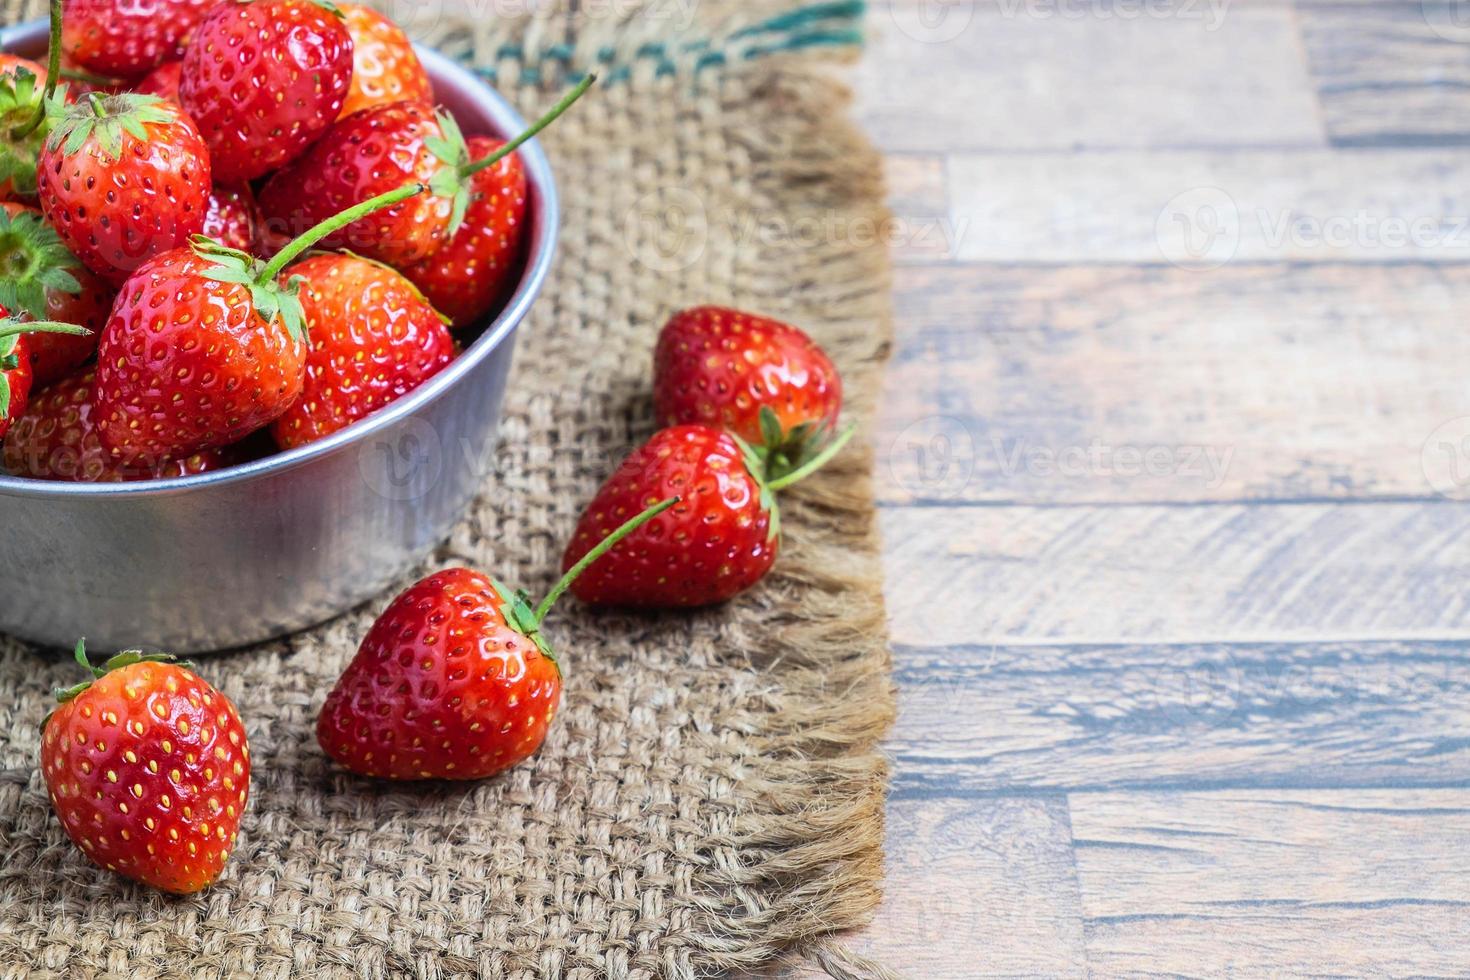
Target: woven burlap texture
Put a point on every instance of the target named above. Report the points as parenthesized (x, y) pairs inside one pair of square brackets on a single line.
[(710, 795)]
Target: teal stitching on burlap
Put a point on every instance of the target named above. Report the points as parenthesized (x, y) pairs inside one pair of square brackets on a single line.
[(800, 27)]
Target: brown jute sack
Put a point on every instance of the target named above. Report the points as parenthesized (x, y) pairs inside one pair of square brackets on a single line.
[(710, 795)]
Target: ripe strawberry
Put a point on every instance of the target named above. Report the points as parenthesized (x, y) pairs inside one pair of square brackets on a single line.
[(454, 680), (377, 149), (719, 541), (45, 282), (200, 351), (384, 66), (162, 81), (15, 362), (373, 340), (125, 39), (22, 124), (466, 278), (56, 440), (761, 379), (263, 79), (148, 769), (232, 216), (123, 178)]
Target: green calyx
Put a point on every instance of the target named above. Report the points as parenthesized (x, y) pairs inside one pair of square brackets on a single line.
[(124, 659), (10, 331), (519, 616), (105, 119), (786, 457), (22, 102), (269, 296), (33, 261)]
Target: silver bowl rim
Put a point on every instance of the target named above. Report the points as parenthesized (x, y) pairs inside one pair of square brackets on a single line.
[(545, 216)]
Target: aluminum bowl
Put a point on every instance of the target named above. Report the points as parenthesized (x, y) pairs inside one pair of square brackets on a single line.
[(260, 550)]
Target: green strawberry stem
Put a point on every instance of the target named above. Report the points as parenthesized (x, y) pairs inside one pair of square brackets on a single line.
[(603, 547), (53, 72), (815, 463), (470, 169), (341, 219), (124, 659), (11, 327)]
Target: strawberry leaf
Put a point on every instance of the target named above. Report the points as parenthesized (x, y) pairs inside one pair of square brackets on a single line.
[(105, 120), (34, 262), (270, 298), (519, 616)]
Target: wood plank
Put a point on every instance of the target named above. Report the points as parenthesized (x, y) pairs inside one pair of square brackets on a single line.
[(1251, 883), (920, 229), (1025, 75), (995, 719), (1090, 384), (1203, 209), (1390, 74), (972, 888), (1156, 574)]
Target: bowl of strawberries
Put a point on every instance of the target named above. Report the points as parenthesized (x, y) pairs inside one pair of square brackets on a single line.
[(266, 266)]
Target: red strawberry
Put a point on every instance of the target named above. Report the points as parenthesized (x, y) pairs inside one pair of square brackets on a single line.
[(200, 351), (125, 39), (373, 340), (162, 81), (364, 155), (384, 66), (377, 149), (454, 681), (15, 362), (766, 382), (56, 440), (123, 178), (22, 124), (148, 769), (232, 216), (717, 543), (263, 79), (467, 277), (45, 282)]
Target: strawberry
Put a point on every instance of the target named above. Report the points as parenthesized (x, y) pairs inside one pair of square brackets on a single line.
[(263, 79), (763, 380), (125, 39), (455, 680), (15, 362), (384, 66), (123, 178), (45, 282), (56, 440), (377, 149), (718, 542), (162, 81), (22, 124), (148, 769), (469, 275), (232, 216), (373, 339)]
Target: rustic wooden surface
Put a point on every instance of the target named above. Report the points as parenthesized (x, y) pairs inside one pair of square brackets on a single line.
[(1172, 464)]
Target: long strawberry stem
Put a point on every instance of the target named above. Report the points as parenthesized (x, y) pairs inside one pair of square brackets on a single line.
[(815, 463), (10, 327), (53, 72), (603, 547), (341, 219), (485, 163)]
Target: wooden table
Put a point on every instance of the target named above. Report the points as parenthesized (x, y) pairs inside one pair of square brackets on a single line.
[(1175, 445)]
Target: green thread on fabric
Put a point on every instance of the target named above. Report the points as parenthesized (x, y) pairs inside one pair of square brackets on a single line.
[(833, 24)]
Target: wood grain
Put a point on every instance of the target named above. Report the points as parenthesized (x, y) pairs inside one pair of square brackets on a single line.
[(974, 576), (1390, 74), (1037, 74), (1053, 718), (1256, 882), (1120, 384), (1204, 209)]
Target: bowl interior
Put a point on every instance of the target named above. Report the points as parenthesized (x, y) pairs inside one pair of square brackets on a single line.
[(479, 110)]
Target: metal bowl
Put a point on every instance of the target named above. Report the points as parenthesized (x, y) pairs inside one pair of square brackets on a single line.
[(260, 550)]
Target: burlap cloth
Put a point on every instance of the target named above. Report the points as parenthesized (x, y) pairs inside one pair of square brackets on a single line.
[(710, 796)]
